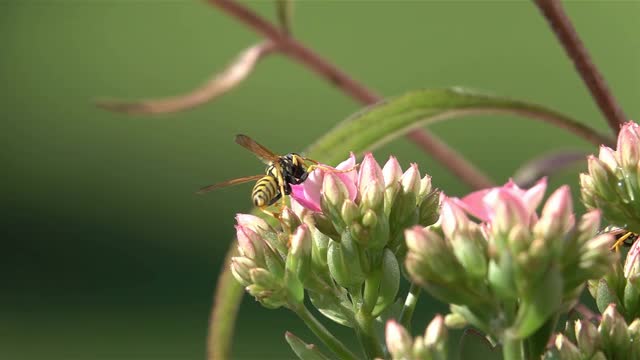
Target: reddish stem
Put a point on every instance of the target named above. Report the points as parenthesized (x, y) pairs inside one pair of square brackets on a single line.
[(448, 157), (568, 37)]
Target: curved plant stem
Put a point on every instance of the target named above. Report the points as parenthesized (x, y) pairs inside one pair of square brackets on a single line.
[(568, 37), (314, 62), (225, 307), (512, 349), (323, 334), (409, 306), (367, 336)]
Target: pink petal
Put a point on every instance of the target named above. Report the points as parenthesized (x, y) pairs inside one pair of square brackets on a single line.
[(474, 205), (299, 194)]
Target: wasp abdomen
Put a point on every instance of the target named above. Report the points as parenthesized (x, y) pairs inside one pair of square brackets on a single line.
[(265, 191)]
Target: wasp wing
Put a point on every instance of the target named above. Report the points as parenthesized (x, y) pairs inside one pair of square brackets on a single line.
[(229, 183), (266, 155)]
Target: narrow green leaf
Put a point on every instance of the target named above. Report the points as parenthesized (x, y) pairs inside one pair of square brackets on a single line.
[(382, 122), (303, 350)]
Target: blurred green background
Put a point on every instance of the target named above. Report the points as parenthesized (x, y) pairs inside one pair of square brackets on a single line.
[(108, 253)]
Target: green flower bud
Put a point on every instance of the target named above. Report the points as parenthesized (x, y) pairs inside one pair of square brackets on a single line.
[(425, 186), (323, 223), (370, 219), (240, 268), (455, 321), (470, 248), (587, 337), (566, 349), (299, 258), (428, 210), (289, 220), (349, 212), (373, 196)]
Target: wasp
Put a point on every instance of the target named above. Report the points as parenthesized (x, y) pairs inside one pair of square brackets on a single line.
[(281, 172), (622, 236)]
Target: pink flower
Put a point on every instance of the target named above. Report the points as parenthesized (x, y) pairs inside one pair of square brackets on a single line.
[(481, 203), (308, 193)]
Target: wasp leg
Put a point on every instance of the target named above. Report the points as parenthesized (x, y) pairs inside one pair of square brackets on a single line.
[(270, 213), (620, 241), (313, 167), (281, 184)]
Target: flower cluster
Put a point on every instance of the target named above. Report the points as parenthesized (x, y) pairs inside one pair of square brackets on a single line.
[(514, 271), (621, 286), (611, 339), (613, 181), (271, 270), (341, 243), (433, 345)]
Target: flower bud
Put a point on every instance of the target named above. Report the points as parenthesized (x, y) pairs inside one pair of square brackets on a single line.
[(431, 257), (557, 215), (566, 349), (289, 220), (325, 226), (369, 219), (455, 321), (246, 237), (428, 212), (373, 195), (613, 330), (632, 261), (349, 212), (391, 172), (411, 179), (425, 186), (240, 268), (299, 257), (608, 157), (334, 192), (370, 172), (252, 222), (452, 218), (587, 337), (398, 340), (604, 180), (436, 332), (471, 251), (628, 146)]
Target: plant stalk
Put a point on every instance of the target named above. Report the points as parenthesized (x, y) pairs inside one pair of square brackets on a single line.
[(409, 306), (323, 334), (512, 348)]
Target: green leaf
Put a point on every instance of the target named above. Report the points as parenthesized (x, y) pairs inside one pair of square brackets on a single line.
[(303, 350), (385, 121)]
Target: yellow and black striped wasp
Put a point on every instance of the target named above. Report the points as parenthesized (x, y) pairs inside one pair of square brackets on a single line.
[(622, 236), (282, 171)]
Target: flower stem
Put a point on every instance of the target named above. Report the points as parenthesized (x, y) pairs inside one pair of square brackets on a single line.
[(409, 306), (512, 348), (593, 79), (367, 336), (323, 334)]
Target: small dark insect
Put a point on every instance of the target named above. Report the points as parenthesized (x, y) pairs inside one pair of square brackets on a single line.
[(622, 236), (282, 171)]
